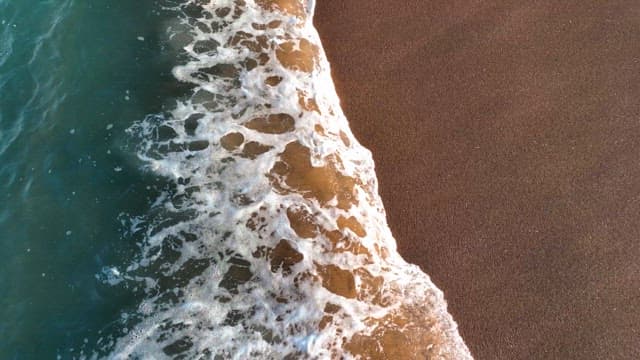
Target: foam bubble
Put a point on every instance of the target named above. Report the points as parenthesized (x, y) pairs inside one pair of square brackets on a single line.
[(272, 241)]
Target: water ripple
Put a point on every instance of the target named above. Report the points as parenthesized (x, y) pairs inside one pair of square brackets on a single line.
[(59, 15), (6, 43), (30, 81)]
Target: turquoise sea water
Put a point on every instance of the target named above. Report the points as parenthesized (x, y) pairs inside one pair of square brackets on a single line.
[(73, 76), (156, 158)]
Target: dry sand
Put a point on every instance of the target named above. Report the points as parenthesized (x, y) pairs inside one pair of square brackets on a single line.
[(507, 142)]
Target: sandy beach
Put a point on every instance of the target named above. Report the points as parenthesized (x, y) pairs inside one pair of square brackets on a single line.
[(506, 137)]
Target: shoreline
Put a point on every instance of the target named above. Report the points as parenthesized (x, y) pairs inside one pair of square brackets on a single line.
[(504, 138)]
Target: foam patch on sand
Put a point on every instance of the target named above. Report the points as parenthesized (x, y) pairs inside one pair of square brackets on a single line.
[(273, 241)]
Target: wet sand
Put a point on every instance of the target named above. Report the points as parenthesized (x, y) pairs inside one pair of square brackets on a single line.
[(507, 143)]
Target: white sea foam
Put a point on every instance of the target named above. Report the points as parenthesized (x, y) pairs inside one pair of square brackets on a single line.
[(241, 259)]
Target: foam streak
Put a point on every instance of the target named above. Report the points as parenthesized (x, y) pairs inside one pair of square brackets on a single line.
[(273, 243)]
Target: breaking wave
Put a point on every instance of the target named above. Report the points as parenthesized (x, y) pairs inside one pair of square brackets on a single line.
[(272, 241)]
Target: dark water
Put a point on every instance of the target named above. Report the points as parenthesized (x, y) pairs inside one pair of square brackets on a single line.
[(73, 76)]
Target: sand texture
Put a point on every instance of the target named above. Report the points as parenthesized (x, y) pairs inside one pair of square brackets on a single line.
[(506, 141)]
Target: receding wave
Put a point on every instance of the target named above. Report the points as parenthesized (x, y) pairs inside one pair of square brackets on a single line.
[(272, 241)]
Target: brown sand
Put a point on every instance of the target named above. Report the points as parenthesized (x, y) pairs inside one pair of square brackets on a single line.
[(507, 142)]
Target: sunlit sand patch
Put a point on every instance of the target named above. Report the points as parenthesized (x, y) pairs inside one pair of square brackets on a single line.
[(299, 55), (232, 141), (295, 172), (289, 254), (272, 124), (307, 103), (291, 7)]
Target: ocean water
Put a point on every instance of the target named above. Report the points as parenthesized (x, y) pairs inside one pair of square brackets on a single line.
[(73, 77), (179, 181)]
